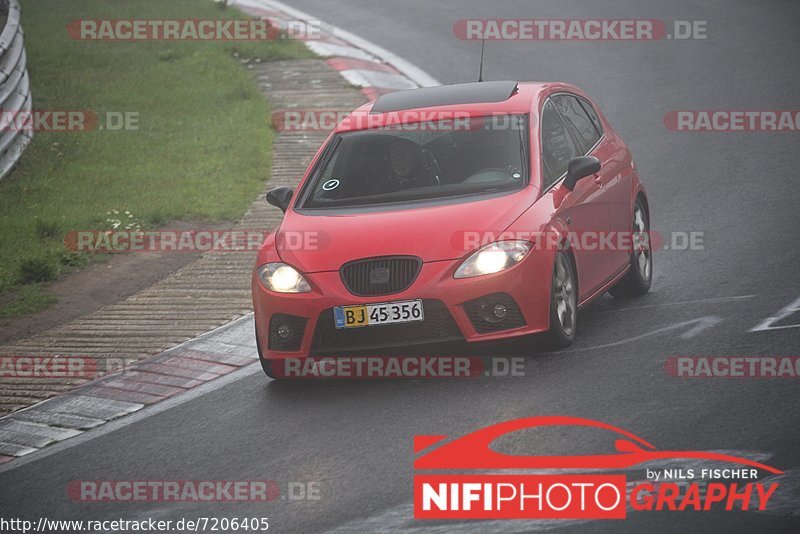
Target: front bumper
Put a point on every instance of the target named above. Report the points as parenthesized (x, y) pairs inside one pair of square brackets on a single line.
[(453, 310)]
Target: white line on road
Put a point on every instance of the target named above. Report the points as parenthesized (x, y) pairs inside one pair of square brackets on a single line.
[(682, 303), (702, 324), (785, 312), (697, 326)]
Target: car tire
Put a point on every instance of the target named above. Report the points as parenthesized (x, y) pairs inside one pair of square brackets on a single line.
[(563, 302), (266, 365), (640, 274)]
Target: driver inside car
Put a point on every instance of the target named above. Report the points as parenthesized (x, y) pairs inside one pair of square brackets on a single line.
[(411, 162), (403, 159)]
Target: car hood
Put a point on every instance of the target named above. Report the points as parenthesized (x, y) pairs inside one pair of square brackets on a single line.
[(321, 242)]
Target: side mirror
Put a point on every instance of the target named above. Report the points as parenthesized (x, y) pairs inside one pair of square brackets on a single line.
[(280, 197), (580, 167)]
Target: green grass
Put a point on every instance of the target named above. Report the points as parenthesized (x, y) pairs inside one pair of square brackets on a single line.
[(201, 151), (25, 300)]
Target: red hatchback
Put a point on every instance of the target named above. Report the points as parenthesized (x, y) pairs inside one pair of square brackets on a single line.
[(476, 212)]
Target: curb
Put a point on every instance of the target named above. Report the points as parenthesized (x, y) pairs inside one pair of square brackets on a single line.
[(342, 45), (78, 407), (175, 371)]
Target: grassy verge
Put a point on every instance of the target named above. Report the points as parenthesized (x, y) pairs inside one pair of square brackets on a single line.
[(201, 150)]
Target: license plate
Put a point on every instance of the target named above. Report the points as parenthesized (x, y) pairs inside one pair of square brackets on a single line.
[(377, 314)]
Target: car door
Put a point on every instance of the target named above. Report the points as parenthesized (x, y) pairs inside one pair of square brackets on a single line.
[(613, 179), (582, 209)]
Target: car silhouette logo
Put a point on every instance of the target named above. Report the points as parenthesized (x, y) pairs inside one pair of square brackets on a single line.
[(474, 451), (379, 275), (481, 491)]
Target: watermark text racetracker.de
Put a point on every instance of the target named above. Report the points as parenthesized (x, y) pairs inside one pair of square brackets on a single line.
[(733, 366), (192, 491), (236, 240), (391, 367), (579, 29), (58, 366), (64, 120), (196, 30), (47, 366), (588, 240), (733, 120), (326, 120)]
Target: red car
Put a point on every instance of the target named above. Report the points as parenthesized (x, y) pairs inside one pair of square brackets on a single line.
[(476, 211)]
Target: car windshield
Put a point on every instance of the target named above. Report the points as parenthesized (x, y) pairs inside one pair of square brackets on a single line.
[(416, 162)]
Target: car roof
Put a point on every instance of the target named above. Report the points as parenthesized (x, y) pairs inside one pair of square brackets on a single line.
[(445, 95), (472, 99)]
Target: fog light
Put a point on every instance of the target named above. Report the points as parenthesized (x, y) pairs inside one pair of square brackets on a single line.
[(284, 332), (493, 312)]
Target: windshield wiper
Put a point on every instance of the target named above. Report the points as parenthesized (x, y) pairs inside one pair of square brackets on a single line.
[(523, 162)]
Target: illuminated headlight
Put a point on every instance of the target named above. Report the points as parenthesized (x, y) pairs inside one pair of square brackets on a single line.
[(493, 258), (282, 278)]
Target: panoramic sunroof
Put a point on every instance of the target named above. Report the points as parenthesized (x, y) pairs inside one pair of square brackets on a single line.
[(445, 95)]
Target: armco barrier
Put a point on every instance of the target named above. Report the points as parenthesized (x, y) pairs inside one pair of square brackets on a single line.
[(15, 91)]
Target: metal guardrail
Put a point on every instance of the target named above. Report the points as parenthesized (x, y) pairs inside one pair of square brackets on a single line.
[(15, 91)]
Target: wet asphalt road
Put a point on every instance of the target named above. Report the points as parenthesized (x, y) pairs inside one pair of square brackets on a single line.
[(354, 438)]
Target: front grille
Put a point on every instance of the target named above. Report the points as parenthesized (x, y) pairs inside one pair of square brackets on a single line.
[(480, 307), (296, 326), (437, 326), (380, 276)]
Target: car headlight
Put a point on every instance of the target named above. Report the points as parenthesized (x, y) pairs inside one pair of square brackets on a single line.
[(282, 278), (493, 258)]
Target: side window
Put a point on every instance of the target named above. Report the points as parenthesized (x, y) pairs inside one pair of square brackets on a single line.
[(579, 123), (587, 107), (557, 145)]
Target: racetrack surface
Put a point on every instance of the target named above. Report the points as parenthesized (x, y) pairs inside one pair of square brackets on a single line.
[(354, 437)]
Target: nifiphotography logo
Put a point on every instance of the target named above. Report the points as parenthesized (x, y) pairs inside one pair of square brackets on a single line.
[(591, 486)]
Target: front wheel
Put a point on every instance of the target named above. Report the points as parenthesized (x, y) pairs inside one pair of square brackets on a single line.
[(563, 302), (640, 274)]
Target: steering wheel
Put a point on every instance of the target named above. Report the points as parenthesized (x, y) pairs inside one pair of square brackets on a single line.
[(430, 165)]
